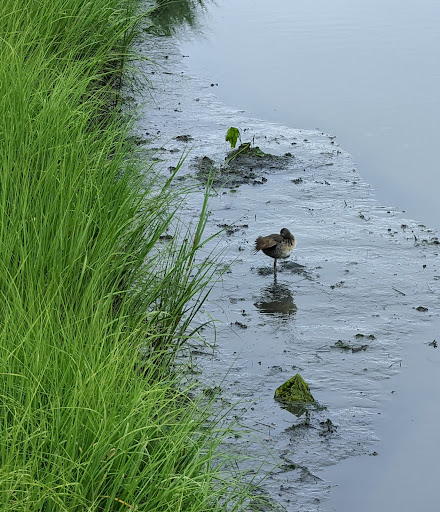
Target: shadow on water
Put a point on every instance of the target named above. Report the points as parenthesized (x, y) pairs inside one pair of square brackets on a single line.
[(168, 16)]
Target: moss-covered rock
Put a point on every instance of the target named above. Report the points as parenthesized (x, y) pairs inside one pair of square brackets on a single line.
[(294, 390)]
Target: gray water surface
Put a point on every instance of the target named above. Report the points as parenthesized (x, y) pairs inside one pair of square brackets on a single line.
[(363, 273), (367, 71)]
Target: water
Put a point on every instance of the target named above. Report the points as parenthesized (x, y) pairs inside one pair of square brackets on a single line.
[(359, 273), (366, 71)]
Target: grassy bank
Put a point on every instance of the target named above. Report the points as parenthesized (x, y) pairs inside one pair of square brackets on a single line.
[(85, 281)]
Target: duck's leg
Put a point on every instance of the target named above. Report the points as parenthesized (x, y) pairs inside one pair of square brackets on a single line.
[(275, 266)]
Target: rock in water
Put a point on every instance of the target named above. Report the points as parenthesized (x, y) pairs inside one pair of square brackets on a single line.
[(294, 390)]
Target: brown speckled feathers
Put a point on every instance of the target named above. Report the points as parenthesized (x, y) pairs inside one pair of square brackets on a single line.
[(276, 246)]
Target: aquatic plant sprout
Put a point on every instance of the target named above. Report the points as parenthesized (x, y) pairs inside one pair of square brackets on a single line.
[(232, 135)]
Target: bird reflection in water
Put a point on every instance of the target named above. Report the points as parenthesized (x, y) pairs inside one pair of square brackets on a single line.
[(276, 300)]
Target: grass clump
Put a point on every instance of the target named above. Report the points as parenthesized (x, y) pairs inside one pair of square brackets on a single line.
[(83, 285)]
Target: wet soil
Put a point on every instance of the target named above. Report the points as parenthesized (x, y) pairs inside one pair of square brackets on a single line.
[(245, 165), (342, 312)]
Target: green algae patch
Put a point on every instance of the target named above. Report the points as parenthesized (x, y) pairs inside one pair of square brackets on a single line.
[(294, 390)]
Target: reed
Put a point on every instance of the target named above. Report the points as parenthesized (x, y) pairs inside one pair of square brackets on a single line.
[(86, 284)]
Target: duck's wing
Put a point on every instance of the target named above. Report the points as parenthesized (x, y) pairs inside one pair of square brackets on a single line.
[(266, 242)]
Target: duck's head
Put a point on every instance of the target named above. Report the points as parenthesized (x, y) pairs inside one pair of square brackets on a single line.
[(285, 233)]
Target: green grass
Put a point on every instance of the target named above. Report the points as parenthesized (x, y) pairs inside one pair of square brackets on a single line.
[(85, 282)]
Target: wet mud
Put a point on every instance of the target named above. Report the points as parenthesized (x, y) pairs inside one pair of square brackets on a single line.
[(360, 288), (245, 165)]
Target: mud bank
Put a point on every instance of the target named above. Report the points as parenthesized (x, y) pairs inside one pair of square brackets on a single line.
[(360, 290)]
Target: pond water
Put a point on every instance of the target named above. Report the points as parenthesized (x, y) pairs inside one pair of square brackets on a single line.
[(354, 311), (366, 71)]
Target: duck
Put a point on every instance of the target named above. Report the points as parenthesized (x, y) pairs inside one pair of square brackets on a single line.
[(276, 246)]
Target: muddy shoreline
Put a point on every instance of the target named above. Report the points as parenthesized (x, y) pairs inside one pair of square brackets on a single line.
[(361, 288)]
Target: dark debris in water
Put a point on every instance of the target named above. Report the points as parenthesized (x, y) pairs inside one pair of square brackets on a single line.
[(343, 345), (294, 268), (230, 229), (425, 241), (341, 284), (367, 336), (288, 467), (328, 427), (204, 164), (251, 157), (242, 166), (212, 392), (184, 138), (359, 349), (137, 140), (240, 324)]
